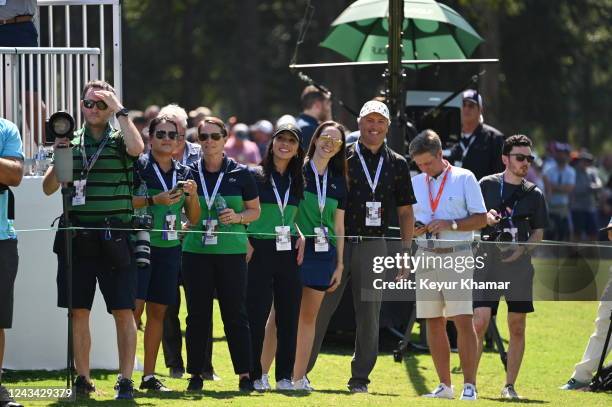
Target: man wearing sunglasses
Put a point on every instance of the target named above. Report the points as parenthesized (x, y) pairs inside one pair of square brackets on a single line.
[(525, 217), (103, 160), (185, 152)]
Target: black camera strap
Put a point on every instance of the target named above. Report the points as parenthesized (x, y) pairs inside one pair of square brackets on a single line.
[(518, 194), (11, 205)]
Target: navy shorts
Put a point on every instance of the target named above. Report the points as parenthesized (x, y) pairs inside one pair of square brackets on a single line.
[(118, 285), (318, 267), (158, 283)]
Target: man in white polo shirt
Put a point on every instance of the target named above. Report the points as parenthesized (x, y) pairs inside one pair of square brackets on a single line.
[(449, 208)]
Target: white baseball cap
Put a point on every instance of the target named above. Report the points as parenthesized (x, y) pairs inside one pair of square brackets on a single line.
[(374, 106)]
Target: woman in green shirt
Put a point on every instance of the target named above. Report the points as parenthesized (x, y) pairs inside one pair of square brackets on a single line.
[(214, 259), (276, 248), (321, 219)]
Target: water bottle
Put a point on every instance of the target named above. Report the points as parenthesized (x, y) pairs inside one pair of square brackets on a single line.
[(39, 165), (220, 205)]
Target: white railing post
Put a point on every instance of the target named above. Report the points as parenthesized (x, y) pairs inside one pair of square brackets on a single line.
[(117, 49), (93, 65), (11, 75)]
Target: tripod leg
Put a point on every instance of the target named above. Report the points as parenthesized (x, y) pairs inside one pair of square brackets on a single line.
[(605, 347), (499, 343)]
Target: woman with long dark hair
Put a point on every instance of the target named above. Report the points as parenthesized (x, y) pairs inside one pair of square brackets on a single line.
[(276, 248), (321, 219)]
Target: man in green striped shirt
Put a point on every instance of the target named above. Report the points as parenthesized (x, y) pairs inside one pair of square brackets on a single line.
[(103, 159)]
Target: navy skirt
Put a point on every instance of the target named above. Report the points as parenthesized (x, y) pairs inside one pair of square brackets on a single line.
[(318, 267)]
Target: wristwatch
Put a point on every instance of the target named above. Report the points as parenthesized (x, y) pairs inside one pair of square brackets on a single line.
[(454, 225), (122, 112), (150, 201)]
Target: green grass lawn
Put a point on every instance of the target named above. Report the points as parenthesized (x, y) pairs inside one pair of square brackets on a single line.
[(556, 337)]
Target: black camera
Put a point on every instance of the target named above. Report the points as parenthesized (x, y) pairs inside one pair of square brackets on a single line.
[(59, 125), (142, 222), (497, 234)]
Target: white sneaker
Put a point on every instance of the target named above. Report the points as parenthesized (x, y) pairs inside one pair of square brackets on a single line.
[(441, 392), (258, 385), (284, 384), (302, 384), (509, 393), (265, 381), (469, 392)]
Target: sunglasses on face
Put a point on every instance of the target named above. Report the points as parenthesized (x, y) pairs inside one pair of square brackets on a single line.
[(329, 139), (161, 134), (89, 104), (522, 157), (206, 136)]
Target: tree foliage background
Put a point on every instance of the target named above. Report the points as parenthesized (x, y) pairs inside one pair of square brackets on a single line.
[(553, 82)]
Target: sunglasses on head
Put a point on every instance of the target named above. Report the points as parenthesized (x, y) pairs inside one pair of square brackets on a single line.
[(330, 139), (89, 104), (206, 136), (160, 134), (522, 157)]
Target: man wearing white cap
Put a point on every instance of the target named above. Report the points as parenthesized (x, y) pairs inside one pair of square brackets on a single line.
[(379, 181), (480, 147)]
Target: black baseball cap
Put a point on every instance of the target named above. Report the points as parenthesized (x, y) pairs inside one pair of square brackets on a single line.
[(291, 128)]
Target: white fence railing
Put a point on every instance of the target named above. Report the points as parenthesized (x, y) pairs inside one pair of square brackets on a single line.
[(35, 82), (74, 38), (59, 17)]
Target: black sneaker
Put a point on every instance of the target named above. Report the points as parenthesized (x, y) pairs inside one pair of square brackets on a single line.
[(195, 384), (6, 400), (357, 387), (246, 385), (125, 389), (83, 387), (153, 384)]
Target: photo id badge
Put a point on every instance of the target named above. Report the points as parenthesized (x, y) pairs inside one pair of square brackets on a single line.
[(79, 192), (209, 237), (170, 232), (321, 240), (458, 164), (283, 239), (373, 214)]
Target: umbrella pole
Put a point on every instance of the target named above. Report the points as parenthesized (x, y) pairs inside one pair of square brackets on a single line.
[(394, 75)]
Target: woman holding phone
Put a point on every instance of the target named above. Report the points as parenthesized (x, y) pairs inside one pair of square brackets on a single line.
[(214, 254), (276, 248), (169, 189), (321, 219)]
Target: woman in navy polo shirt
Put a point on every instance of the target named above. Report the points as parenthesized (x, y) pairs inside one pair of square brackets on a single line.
[(321, 219), (214, 258), (157, 284), (276, 249)]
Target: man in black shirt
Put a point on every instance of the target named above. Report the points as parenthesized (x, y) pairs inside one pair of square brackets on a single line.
[(480, 147), (379, 181), (524, 216)]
